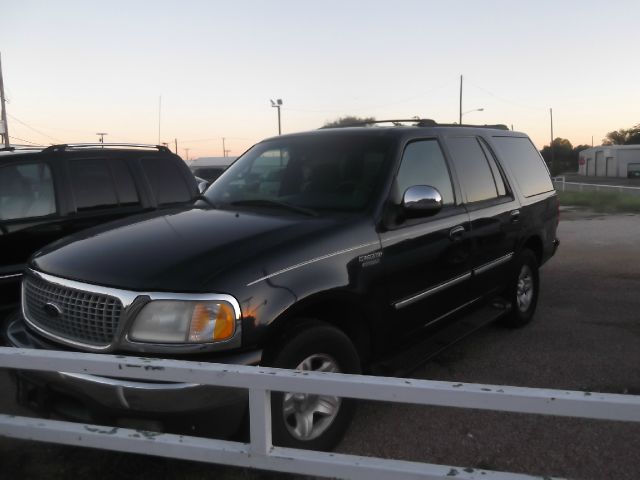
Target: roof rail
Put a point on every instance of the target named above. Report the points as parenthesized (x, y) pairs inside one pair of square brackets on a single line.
[(497, 126), (13, 148), (67, 146), (417, 122)]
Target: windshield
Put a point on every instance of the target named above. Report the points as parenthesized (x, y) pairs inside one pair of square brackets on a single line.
[(338, 172)]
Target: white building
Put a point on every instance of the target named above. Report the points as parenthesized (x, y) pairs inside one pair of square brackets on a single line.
[(610, 161)]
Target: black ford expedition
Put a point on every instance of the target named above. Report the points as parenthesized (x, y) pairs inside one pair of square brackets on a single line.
[(48, 193), (328, 251)]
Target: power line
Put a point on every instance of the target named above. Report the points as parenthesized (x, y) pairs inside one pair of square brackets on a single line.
[(504, 99), (26, 141), (216, 139), (56, 140), (373, 107)]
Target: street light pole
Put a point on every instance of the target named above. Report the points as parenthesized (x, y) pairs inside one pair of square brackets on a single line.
[(101, 135), (460, 119), (277, 104), (470, 111), (551, 144)]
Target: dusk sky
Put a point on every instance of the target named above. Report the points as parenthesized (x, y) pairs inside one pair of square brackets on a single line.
[(74, 68)]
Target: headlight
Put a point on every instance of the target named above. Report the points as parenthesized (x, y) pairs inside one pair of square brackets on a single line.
[(173, 321)]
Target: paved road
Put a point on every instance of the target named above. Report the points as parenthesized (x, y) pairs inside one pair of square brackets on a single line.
[(586, 336)]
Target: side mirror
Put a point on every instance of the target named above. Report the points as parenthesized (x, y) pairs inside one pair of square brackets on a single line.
[(421, 201), (202, 185)]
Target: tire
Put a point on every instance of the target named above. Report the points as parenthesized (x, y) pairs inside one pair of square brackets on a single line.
[(523, 290), (315, 422)]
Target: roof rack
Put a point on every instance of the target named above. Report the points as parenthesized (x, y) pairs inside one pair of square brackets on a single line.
[(417, 122), (497, 126), (20, 148), (67, 146)]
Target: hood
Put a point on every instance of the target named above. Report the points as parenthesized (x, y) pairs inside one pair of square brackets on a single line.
[(181, 251)]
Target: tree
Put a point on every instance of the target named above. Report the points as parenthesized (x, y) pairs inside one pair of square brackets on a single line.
[(630, 136), (348, 120), (564, 154)]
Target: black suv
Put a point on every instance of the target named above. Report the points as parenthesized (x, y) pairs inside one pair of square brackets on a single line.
[(328, 251), (49, 193)]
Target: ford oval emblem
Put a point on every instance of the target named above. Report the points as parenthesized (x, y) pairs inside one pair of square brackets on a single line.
[(52, 309)]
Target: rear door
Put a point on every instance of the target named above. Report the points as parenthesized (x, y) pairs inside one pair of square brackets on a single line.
[(100, 190), (427, 263), (494, 211)]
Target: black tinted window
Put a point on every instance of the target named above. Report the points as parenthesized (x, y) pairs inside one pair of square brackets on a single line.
[(525, 163), (331, 172), (26, 191), (127, 193), (423, 164), (92, 184), (497, 175), (166, 180), (473, 169)]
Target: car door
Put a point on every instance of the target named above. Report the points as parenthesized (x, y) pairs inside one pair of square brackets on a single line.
[(493, 210), (426, 261), (29, 219)]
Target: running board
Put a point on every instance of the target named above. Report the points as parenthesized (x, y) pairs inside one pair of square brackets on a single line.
[(417, 354)]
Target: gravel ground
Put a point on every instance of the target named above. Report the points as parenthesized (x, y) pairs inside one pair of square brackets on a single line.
[(586, 336)]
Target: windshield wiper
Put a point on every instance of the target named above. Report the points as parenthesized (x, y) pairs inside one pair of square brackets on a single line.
[(275, 203)]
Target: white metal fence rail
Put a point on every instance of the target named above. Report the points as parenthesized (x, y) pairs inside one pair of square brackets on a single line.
[(260, 381), (563, 186)]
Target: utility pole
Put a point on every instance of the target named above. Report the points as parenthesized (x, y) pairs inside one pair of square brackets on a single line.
[(101, 135), (551, 145), (460, 118), (4, 129), (224, 150), (159, 116), (187, 152), (176, 140)]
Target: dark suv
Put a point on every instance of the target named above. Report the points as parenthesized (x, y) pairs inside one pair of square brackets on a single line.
[(329, 251), (49, 193)]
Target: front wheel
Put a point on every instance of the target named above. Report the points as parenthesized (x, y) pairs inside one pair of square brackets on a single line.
[(309, 421), (523, 290)]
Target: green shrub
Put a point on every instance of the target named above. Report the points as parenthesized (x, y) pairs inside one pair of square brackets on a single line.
[(602, 201)]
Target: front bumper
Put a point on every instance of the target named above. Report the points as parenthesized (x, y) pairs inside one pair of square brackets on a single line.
[(161, 406)]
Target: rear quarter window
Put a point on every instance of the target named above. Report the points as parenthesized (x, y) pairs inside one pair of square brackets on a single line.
[(525, 163), (166, 180)]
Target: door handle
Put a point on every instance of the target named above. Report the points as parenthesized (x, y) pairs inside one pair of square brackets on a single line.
[(515, 215), (456, 233)]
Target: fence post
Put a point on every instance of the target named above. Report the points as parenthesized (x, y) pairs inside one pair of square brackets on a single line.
[(260, 421)]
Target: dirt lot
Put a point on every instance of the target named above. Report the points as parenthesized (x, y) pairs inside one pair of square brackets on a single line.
[(586, 336)]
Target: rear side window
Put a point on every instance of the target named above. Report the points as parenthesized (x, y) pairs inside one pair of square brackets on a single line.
[(26, 191), (473, 169), (525, 163), (166, 180), (497, 175), (126, 188), (92, 184)]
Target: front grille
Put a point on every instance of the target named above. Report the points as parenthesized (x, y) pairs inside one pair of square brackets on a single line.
[(81, 316)]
